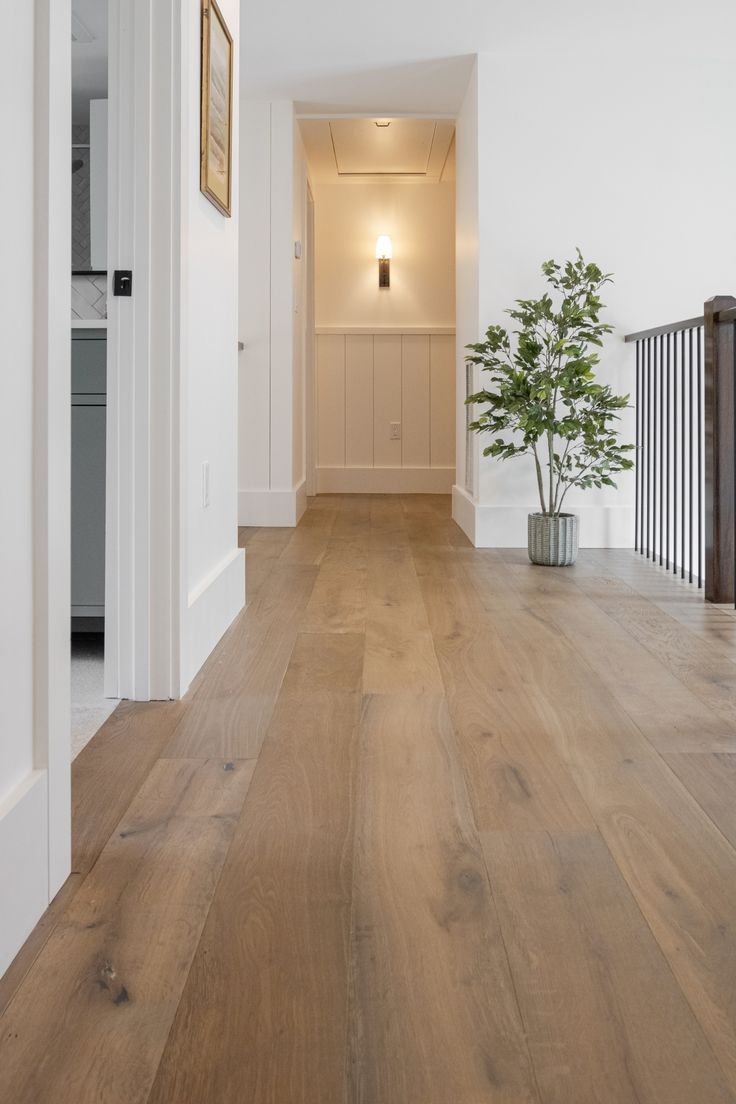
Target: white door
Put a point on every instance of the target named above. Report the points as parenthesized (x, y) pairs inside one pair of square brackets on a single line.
[(35, 217)]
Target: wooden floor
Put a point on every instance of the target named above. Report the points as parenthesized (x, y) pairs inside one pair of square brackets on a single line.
[(434, 826)]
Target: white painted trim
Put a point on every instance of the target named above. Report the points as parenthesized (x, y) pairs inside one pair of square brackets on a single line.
[(283, 319), (275, 509), (463, 512), (310, 352), (35, 818), (488, 526), (408, 330), (301, 500), (144, 524), (24, 862), (385, 480), (213, 605), (51, 447)]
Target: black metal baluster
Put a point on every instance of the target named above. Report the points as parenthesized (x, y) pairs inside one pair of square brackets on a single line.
[(733, 459), (691, 435), (637, 454), (644, 449), (648, 389), (674, 453), (654, 449), (649, 442), (682, 458), (700, 457), (662, 484), (667, 453)]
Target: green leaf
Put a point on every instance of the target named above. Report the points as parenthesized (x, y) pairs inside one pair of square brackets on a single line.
[(542, 396)]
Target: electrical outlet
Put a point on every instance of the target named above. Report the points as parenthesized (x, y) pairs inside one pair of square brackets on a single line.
[(205, 484), (395, 434)]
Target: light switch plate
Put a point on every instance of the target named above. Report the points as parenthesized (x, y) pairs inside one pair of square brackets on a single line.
[(395, 434)]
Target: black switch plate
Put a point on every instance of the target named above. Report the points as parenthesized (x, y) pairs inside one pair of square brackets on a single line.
[(122, 281)]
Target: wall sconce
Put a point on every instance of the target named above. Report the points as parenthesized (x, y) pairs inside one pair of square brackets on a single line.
[(383, 255)]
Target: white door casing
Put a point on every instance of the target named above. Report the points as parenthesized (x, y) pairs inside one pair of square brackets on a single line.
[(35, 815), (143, 533)]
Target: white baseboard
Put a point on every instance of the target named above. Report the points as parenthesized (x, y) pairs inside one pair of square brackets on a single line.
[(463, 512), (277, 509), (24, 863), (212, 607), (384, 480), (506, 526)]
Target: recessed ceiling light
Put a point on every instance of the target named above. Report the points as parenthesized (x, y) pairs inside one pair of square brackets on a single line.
[(382, 122)]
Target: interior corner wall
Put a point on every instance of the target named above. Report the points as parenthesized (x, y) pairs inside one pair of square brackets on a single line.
[(299, 271), (273, 184), (419, 217), (212, 564), (466, 275), (640, 183)]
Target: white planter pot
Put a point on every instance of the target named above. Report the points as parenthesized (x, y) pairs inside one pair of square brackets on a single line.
[(553, 541)]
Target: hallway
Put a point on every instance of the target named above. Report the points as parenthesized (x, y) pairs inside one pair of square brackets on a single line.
[(433, 826)]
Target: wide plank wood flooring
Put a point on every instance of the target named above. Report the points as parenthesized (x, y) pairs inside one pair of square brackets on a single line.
[(432, 826)]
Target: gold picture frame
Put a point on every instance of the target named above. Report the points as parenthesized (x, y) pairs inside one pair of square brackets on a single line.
[(215, 177)]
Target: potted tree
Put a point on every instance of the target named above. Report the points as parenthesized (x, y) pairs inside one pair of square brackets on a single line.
[(543, 400)]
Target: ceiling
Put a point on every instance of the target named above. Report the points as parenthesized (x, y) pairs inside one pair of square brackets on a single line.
[(401, 56), (391, 57), (377, 147), (89, 58)]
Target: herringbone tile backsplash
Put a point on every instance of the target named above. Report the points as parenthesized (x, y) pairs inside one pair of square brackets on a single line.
[(89, 297), (80, 201)]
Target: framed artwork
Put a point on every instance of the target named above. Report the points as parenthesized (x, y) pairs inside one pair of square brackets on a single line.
[(217, 108)]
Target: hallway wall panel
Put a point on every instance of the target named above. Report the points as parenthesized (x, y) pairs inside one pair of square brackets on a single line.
[(330, 412), (386, 398), (358, 400), (442, 400), (369, 381), (415, 428)]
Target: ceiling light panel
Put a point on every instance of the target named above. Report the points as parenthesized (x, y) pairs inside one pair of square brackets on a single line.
[(364, 149)]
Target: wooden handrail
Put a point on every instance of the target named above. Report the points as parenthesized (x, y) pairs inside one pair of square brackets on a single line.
[(672, 327), (720, 424), (728, 315)]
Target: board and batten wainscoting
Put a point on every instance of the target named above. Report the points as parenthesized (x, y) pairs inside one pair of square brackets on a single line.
[(367, 381)]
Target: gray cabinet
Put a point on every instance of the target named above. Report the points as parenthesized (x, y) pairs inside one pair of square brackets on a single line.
[(89, 374)]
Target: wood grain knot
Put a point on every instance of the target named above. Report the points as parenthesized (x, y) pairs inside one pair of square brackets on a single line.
[(108, 979)]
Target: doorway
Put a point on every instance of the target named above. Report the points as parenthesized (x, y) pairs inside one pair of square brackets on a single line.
[(90, 705), (381, 398)]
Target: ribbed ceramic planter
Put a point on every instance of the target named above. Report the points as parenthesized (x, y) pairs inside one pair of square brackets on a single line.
[(553, 541)]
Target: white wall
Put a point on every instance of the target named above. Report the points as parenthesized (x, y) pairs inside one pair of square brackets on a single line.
[(466, 248), (299, 269), (273, 182), (626, 157), (419, 217), (16, 412), (254, 362), (209, 319), (175, 574), (365, 382)]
